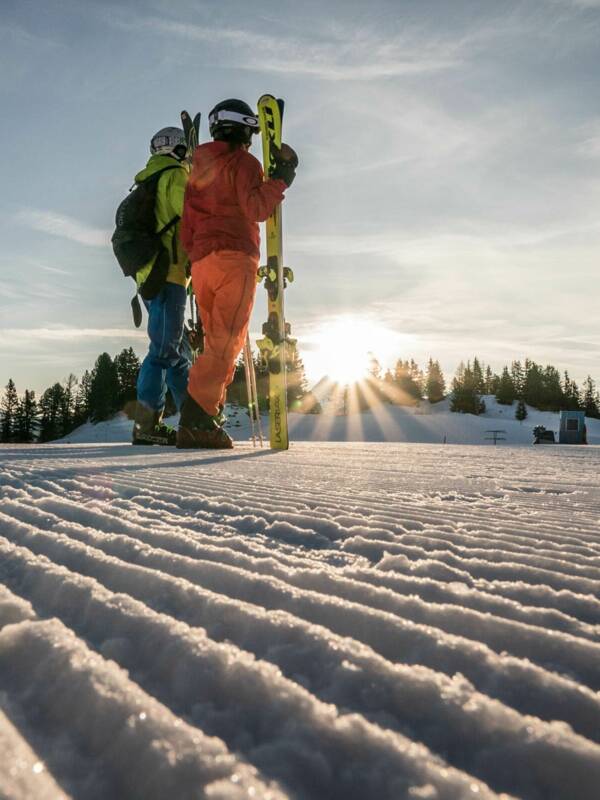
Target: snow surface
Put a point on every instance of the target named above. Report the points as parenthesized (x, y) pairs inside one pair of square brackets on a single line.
[(359, 621), (425, 423)]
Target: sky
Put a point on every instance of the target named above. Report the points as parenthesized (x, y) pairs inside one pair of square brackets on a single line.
[(448, 192)]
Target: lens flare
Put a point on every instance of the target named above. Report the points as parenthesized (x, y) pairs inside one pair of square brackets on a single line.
[(345, 346)]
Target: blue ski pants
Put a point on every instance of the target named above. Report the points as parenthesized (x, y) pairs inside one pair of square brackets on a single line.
[(169, 355)]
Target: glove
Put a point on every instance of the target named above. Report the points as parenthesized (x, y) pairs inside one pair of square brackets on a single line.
[(286, 161)]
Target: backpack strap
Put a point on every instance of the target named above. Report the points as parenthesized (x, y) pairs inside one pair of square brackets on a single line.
[(155, 177), (169, 224)]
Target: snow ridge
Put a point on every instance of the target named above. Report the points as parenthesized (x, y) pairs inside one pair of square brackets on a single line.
[(342, 621)]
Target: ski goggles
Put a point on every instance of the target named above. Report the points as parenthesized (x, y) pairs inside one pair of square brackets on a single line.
[(233, 116)]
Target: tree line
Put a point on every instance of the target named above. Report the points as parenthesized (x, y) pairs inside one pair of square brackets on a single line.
[(110, 387), (101, 392), (528, 383)]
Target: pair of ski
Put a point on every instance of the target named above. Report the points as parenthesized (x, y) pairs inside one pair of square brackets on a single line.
[(191, 130), (276, 346)]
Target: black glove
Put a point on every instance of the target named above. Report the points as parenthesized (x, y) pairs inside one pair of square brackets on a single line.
[(286, 161)]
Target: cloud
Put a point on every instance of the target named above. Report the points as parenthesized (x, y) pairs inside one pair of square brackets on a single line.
[(347, 55), (589, 144), (584, 3), (63, 226), (17, 34), (55, 334), (486, 241), (54, 270)]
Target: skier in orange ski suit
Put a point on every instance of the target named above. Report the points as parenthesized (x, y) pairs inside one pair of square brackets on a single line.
[(226, 197)]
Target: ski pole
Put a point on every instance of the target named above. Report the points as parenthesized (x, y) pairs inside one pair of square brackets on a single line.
[(249, 392), (254, 389)]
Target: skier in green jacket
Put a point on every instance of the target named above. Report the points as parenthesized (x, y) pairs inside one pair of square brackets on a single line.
[(169, 357)]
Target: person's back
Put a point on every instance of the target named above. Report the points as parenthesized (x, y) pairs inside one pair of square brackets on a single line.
[(170, 193), (168, 360), (225, 199)]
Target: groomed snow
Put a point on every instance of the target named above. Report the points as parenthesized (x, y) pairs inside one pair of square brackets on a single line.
[(344, 620)]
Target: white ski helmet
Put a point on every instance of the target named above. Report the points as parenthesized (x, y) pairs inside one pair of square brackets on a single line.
[(167, 141)]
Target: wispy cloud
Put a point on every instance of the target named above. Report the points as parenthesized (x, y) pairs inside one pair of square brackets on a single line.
[(442, 245), (583, 3), (54, 270), (65, 334), (13, 32), (589, 145), (362, 55), (62, 226)]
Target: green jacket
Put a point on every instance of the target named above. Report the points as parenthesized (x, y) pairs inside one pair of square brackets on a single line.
[(169, 203)]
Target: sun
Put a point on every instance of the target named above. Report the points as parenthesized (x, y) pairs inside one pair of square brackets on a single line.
[(344, 347)]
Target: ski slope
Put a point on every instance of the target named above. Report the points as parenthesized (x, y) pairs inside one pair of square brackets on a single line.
[(352, 621), (425, 423)]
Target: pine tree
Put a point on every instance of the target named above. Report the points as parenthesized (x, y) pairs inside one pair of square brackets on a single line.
[(27, 418), (67, 410), (577, 402), (262, 381), (505, 393), (552, 397), (591, 401), (104, 389), (51, 405), (417, 377), (435, 385), (8, 410), (494, 384), (478, 379), (572, 398), (490, 381), (408, 381), (297, 384), (465, 397), (127, 365), (81, 409), (533, 387), (521, 411), (518, 378)]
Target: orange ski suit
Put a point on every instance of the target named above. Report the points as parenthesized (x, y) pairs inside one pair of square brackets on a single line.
[(226, 198)]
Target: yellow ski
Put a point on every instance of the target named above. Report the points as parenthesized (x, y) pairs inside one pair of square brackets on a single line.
[(276, 331)]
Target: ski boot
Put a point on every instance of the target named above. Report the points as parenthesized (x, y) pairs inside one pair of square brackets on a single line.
[(148, 428), (197, 429)]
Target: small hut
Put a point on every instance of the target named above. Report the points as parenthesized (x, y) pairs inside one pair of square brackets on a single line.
[(572, 427)]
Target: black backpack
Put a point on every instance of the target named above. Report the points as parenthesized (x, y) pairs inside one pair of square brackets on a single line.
[(136, 241)]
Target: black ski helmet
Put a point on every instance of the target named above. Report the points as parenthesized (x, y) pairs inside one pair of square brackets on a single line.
[(233, 121)]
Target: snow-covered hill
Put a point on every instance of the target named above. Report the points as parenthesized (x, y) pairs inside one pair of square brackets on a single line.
[(386, 423), (344, 621)]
